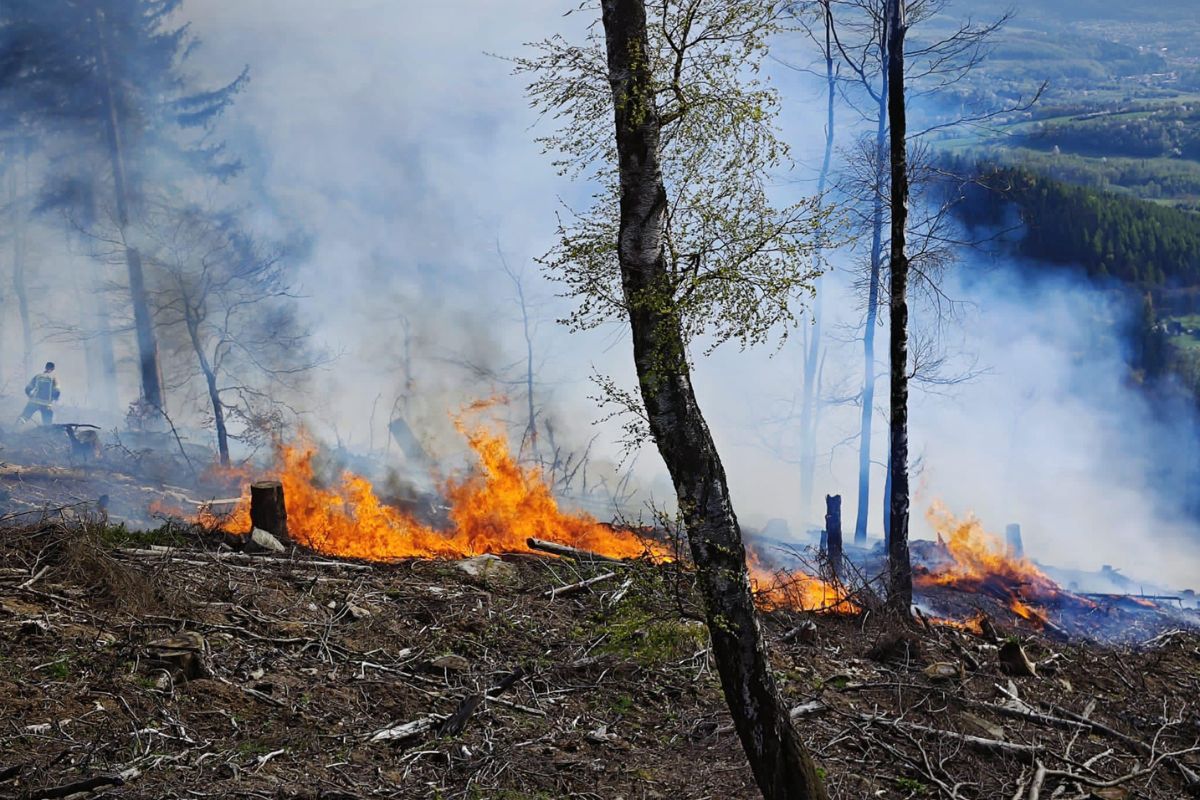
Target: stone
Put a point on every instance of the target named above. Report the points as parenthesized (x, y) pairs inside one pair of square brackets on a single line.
[(259, 541), (451, 663), (357, 612), (982, 727), (944, 671), (490, 569)]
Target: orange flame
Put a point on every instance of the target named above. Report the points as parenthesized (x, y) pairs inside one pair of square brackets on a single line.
[(979, 562), (494, 509)]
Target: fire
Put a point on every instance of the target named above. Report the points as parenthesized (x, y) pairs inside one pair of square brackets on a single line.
[(978, 556), (493, 509), (979, 563)]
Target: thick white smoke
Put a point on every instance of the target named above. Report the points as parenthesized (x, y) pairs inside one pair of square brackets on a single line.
[(404, 152)]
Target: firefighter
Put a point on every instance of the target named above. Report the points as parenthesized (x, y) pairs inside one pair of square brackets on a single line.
[(42, 391)]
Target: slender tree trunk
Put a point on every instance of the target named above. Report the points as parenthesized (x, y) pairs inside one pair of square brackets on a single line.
[(868, 397), (899, 566), (781, 765), (18, 194), (214, 394), (531, 425), (143, 323), (103, 342), (809, 409)]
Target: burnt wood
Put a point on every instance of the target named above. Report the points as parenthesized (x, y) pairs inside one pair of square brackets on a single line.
[(833, 532), (268, 510)]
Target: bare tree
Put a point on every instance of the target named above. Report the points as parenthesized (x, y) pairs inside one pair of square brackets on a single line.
[(233, 303), (899, 565), (820, 31), (930, 66)]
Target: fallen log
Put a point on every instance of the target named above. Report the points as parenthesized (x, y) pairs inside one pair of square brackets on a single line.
[(566, 551)]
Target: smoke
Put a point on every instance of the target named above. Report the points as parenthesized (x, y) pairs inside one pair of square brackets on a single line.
[(405, 154), (408, 153)]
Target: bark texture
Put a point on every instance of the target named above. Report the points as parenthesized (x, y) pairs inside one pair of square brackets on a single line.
[(268, 511), (899, 565), (781, 765)]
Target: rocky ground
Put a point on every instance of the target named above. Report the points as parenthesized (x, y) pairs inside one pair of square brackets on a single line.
[(129, 670)]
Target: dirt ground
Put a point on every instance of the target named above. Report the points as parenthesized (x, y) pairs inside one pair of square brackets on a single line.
[(189, 673)]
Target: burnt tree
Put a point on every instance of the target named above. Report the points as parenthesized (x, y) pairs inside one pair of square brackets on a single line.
[(782, 766), (900, 581), (268, 512)]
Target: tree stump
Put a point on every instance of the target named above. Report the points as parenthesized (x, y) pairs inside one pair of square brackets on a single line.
[(833, 532), (267, 509), (1013, 534)]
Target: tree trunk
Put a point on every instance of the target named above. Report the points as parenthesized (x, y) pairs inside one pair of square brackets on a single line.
[(809, 410), (210, 380), (268, 511), (18, 195), (143, 323), (106, 355), (868, 396), (833, 532), (781, 765), (899, 566)]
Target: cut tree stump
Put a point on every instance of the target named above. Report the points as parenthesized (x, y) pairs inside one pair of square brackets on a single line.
[(1012, 536), (267, 509), (833, 532)]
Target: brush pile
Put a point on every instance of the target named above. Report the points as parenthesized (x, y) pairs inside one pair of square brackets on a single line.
[(163, 665)]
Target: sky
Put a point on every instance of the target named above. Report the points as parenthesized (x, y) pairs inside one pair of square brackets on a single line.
[(393, 136)]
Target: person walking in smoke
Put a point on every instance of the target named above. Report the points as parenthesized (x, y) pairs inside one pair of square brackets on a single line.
[(42, 391)]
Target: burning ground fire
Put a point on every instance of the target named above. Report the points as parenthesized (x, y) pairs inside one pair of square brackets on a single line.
[(495, 508), (977, 562)]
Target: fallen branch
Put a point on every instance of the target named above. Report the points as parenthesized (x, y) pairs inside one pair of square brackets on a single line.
[(1137, 745), (195, 556), (567, 551), (85, 785), (978, 742), (457, 722), (408, 730), (578, 587)]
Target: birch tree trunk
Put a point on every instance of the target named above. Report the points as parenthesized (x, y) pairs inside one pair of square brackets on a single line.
[(781, 765), (868, 396), (809, 410), (899, 565)]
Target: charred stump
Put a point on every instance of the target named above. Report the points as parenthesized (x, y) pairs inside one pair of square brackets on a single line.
[(833, 532), (267, 509), (1013, 535)]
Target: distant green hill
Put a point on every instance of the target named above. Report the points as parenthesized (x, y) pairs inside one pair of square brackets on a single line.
[(1109, 235)]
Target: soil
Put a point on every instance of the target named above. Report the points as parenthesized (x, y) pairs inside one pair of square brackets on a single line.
[(194, 672)]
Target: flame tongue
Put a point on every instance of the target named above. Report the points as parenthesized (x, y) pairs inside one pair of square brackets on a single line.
[(494, 509), (978, 563)]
